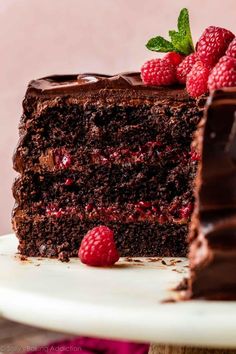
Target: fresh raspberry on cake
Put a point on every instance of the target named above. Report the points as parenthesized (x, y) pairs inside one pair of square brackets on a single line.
[(158, 72), (213, 44), (231, 51), (185, 67), (223, 74), (173, 58), (196, 83), (98, 248)]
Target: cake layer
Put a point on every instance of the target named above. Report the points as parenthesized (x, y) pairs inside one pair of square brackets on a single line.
[(61, 238), (108, 184), (62, 158), (177, 212), (92, 125), (213, 230), (120, 125)]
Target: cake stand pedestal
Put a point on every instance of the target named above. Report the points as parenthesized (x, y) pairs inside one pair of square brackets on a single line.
[(126, 301)]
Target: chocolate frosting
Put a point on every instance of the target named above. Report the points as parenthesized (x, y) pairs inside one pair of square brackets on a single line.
[(213, 247), (218, 172), (87, 81), (82, 83)]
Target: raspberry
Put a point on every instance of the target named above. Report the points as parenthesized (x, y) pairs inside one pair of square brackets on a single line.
[(173, 58), (68, 182), (144, 205), (89, 207), (231, 51), (98, 248), (185, 67), (223, 74), (158, 72), (212, 44), (196, 83), (185, 212), (195, 156), (54, 210), (62, 158)]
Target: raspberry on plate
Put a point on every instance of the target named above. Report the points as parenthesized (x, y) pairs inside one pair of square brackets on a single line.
[(98, 248), (212, 44), (223, 74), (196, 83), (231, 51), (158, 72), (185, 67), (173, 58)]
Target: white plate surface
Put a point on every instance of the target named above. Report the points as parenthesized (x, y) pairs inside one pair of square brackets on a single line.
[(123, 302)]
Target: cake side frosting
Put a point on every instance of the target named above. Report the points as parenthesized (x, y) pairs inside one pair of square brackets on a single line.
[(213, 233)]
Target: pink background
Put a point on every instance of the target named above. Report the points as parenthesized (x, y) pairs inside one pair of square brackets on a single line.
[(42, 37)]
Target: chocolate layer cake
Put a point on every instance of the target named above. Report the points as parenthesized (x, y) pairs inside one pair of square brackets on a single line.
[(213, 231), (98, 149)]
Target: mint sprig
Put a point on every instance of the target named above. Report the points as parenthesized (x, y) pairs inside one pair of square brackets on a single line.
[(160, 44), (181, 41)]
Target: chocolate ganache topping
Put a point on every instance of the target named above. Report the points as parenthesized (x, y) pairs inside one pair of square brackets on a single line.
[(87, 81), (81, 84)]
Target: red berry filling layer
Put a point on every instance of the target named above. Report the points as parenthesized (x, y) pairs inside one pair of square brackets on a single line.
[(151, 151), (175, 212)]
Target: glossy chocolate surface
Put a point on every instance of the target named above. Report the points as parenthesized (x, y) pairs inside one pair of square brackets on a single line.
[(213, 248), (82, 83)]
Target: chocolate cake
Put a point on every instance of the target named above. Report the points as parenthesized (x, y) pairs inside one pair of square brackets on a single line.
[(97, 149), (213, 229)]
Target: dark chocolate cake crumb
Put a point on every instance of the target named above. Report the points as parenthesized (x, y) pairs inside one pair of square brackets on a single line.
[(23, 258), (182, 286), (177, 270), (154, 259), (168, 301), (63, 256)]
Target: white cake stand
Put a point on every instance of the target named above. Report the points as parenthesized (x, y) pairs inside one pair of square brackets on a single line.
[(123, 302)]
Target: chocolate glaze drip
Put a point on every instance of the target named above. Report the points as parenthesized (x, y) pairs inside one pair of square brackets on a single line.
[(213, 235)]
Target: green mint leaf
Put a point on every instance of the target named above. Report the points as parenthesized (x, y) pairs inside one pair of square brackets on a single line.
[(160, 44), (184, 28), (180, 42)]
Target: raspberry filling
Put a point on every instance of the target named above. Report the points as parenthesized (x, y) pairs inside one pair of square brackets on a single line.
[(152, 150), (62, 158), (131, 212)]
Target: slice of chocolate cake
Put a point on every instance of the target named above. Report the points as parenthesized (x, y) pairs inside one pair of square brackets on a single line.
[(98, 149), (213, 231)]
